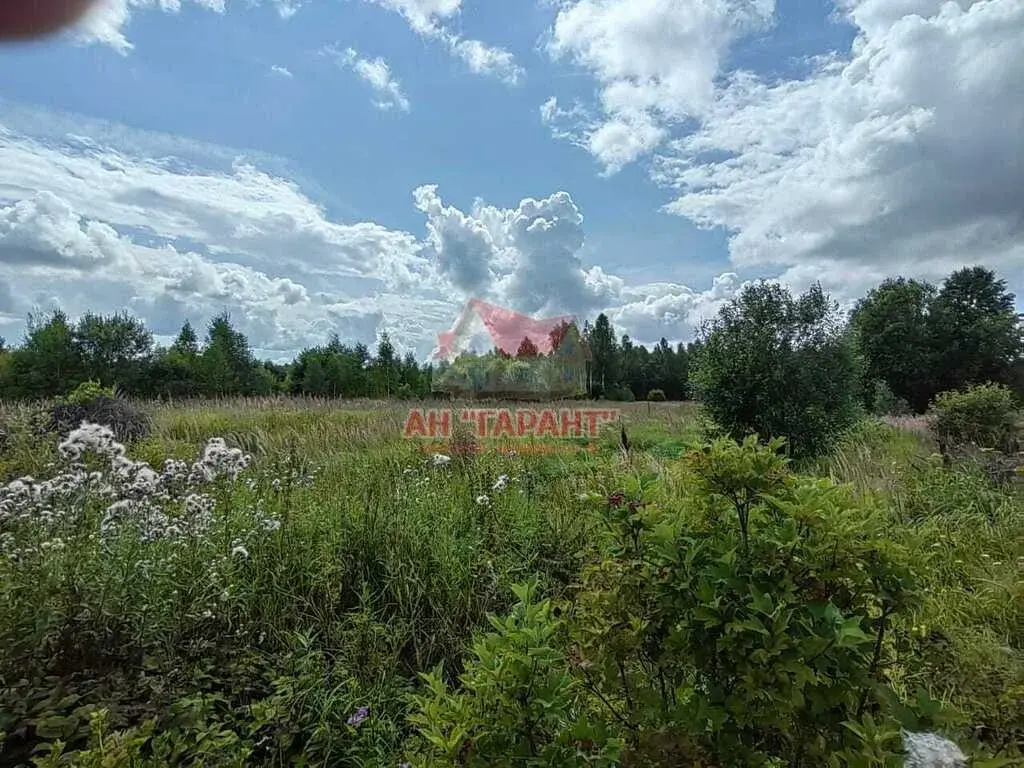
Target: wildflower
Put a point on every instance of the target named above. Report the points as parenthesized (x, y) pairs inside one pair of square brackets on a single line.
[(931, 749), (440, 460), (218, 460), (616, 499), (239, 550), (482, 500), (93, 438), (135, 477), (361, 714), (500, 483)]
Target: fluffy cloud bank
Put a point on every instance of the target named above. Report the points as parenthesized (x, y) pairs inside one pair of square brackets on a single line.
[(99, 223), (902, 154), (906, 153), (655, 62)]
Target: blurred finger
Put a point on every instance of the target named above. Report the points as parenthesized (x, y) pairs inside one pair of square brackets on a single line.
[(20, 19)]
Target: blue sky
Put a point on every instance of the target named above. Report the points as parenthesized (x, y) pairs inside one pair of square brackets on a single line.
[(699, 144)]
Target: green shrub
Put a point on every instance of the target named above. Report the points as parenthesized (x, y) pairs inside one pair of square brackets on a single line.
[(776, 366), (757, 636), (762, 633), (656, 396), (88, 391), (517, 704), (984, 415), (621, 394)]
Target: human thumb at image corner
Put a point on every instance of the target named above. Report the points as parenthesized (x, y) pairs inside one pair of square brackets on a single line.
[(27, 19)]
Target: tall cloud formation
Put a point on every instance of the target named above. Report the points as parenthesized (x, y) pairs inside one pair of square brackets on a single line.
[(526, 257)]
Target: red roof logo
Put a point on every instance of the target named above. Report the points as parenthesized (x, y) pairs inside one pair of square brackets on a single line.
[(506, 328)]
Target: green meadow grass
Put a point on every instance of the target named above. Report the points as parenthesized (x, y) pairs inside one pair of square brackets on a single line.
[(386, 562)]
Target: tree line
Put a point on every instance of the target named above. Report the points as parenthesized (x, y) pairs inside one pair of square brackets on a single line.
[(118, 351), (904, 342)]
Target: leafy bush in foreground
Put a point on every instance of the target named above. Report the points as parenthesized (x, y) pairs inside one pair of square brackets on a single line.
[(759, 637), (519, 704)]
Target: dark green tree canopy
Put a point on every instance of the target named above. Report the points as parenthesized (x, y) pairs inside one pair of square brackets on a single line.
[(974, 330), (891, 328), (921, 341), (779, 366)]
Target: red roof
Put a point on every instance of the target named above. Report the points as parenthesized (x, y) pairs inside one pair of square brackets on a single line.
[(506, 328)]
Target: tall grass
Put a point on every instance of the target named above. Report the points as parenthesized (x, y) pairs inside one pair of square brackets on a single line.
[(385, 563)]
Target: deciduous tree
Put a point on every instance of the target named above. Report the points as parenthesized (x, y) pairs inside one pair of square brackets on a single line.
[(779, 366)]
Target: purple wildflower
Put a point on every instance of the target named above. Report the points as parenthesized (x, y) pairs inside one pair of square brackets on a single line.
[(361, 714)]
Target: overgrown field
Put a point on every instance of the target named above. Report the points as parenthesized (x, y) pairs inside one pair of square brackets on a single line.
[(315, 590)]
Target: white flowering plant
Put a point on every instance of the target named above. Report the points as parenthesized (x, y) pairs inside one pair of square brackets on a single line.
[(106, 529)]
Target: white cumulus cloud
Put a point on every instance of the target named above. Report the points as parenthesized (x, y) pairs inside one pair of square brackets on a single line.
[(526, 257), (655, 62), (43, 231), (104, 23)]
